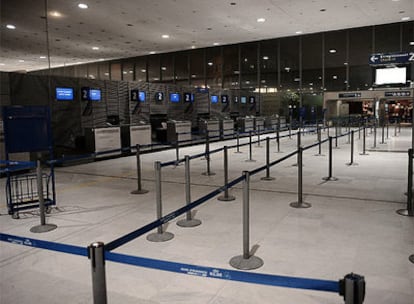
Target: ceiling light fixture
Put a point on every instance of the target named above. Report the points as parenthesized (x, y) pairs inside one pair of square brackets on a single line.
[(298, 32), (210, 63), (163, 68), (216, 43), (411, 42), (405, 18), (95, 48), (21, 60), (42, 57), (193, 46), (152, 52), (143, 70), (265, 58), (11, 26), (261, 20), (165, 36), (332, 51), (83, 6), (55, 14)]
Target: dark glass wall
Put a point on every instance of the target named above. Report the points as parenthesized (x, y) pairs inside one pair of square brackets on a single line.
[(310, 64)]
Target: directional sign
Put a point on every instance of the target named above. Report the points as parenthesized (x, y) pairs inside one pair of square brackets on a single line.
[(390, 58), (397, 94), (349, 95)]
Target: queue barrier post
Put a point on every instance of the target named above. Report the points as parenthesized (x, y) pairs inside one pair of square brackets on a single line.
[(388, 129), (96, 255), (383, 135), (336, 137), (300, 203), (250, 149), (375, 135), (409, 211), (351, 163), (207, 156), (319, 143), (43, 227), (160, 235), (246, 261), (364, 142), (238, 142), (189, 221), (267, 177), (330, 177), (352, 288), (139, 189), (226, 197), (258, 137), (278, 137)]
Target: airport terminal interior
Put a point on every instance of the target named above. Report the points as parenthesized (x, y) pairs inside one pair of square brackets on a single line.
[(213, 152)]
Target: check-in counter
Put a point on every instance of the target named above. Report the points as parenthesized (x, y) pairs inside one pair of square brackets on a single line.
[(180, 128), (259, 123), (213, 128), (227, 128), (283, 123), (271, 123), (246, 124), (103, 139), (140, 135)]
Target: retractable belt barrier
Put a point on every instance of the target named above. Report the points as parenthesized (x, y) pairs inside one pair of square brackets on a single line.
[(11, 166)]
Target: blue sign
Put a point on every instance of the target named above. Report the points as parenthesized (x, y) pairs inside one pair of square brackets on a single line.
[(214, 99), (141, 96), (64, 93), (174, 97), (391, 58), (94, 94)]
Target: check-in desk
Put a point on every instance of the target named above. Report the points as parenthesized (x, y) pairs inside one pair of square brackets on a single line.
[(246, 124), (140, 135), (259, 123), (180, 128), (213, 128), (227, 128), (282, 120), (271, 123), (103, 139)]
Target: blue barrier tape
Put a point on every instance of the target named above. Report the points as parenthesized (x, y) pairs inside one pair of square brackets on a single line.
[(226, 274), (71, 249), (13, 166)]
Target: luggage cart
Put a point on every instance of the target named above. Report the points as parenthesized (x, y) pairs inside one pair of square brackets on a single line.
[(22, 192)]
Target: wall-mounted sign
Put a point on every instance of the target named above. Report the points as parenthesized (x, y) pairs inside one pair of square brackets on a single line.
[(397, 94), (349, 95), (389, 58), (134, 95)]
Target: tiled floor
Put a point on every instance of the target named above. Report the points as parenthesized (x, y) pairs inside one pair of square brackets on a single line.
[(352, 226)]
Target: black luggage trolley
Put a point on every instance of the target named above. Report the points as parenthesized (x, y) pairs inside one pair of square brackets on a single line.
[(27, 129)]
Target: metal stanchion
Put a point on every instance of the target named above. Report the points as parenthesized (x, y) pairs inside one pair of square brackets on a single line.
[(359, 132), (278, 137), (246, 261), (208, 172), (298, 145), (364, 143), (411, 258), (352, 288), (267, 177), (177, 151), (226, 197), (383, 135), (290, 128), (319, 143), (139, 190), (96, 255), (399, 126), (160, 235), (330, 177), (300, 203), (388, 130), (336, 137), (409, 211), (351, 163), (258, 137), (238, 143), (189, 221), (395, 129), (43, 227), (250, 148), (375, 135)]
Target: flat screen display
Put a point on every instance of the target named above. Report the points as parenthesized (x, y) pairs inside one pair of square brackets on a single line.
[(224, 98), (94, 94), (214, 99), (175, 97), (64, 93), (243, 99), (390, 76), (141, 96)]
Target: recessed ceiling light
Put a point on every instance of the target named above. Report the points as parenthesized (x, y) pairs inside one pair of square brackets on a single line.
[(405, 18), (332, 51), (265, 58), (55, 14), (193, 76), (233, 3), (11, 26), (163, 68), (411, 42), (210, 63), (193, 46), (345, 63), (165, 36), (42, 57), (334, 77), (83, 6), (261, 20), (21, 60), (101, 59), (298, 32), (395, 0), (152, 52), (2, 64), (143, 70), (216, 43), (95, 48), (124, 72), (106, 74)]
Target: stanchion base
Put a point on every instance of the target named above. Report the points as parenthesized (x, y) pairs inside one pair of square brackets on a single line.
[(238, 152), (160, 237), (267, 178), (189, 223), (227, 198), (250, 160), (404, 212), (43, 228), (259, 146), (279, 152), (411, 258), (295, 165), (208, 173), (330, 179), (178, 164), (239, 262), (363, 154), (351, 164), (336, 148), (139, 191), (319, 154), (300, 205)]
